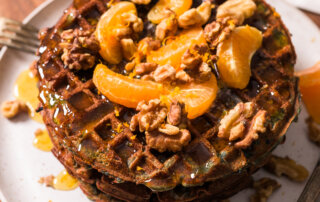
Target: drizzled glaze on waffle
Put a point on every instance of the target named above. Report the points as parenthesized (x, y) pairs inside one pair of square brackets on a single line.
[(94, 143)]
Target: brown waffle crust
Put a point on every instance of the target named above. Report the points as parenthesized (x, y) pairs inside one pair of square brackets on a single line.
[(81, 122)]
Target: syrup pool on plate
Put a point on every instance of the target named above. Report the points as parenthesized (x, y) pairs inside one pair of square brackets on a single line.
[(64, 181), (42, 140), (26, 90)]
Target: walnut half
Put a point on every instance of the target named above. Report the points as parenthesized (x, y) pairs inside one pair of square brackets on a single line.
[(11, 109), (163, 142), (288, 167)]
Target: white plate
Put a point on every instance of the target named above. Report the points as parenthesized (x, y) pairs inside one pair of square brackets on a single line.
[(21, 165)]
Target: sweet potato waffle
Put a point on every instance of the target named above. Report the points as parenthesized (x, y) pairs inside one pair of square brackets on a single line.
[(113, 163)]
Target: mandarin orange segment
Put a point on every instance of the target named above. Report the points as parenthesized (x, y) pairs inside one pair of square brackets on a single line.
[(198, 97), (172, 52), (125, 90), (310, 89), (158, 12), (110, 47), (235, 56)]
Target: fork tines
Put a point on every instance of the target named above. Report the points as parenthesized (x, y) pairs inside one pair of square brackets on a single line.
[(19, 36)]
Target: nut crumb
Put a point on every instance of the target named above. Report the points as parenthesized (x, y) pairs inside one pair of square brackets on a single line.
[(163, 142), (264, 188), (313, 130), (47, 181), (10, 109), (288, 167)]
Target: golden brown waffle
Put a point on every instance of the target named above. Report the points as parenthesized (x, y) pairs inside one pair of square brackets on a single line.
[(95, 146)]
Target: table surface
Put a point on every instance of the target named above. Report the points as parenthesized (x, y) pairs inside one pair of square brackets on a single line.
[(19, 9)]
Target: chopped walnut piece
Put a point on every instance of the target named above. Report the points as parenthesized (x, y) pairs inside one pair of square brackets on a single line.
[(47, 181), (238, 10), (264, 188), (175, 113), (167, 27), (205, 72), (145, 68), (133, 21), (314, 130), (195, 16), (165, 73), (145, 2), (288, 167), (79, 49), (230, 122), (183, 77), (11, 109), (190, 60), (257, 126), (148, 44), (163, 142), (218, 31), (168, 129), (190, 18), (151, 115), (128, 48), (130, 66)]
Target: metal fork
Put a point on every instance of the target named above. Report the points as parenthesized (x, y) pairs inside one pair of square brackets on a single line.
[(19, 36)]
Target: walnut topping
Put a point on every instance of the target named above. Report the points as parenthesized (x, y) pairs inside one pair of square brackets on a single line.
[(168, 129), (218, 31), (264, 188), (204, 72), (183, 77), (257, 126), (47, 181), (145, 2), (238, 10), (167, 27), (133, 21), (165, 73), (195, 16), (11, 109), (175, 113), (79, 49), (288, 167), (163, 142), (145, 68), (190, 60), (128, 48), (231, 126), (151, 115), (314, 130)]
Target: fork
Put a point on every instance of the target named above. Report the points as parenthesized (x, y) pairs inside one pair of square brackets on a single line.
[(18, 36)]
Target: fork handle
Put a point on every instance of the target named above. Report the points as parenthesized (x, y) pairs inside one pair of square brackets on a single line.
[(312, 188)]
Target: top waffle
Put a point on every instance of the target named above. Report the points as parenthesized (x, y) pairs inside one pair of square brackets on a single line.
[(83, 120)]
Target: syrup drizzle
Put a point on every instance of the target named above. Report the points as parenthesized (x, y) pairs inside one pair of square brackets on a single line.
[(42, 141), (65, 182), (26, 90)]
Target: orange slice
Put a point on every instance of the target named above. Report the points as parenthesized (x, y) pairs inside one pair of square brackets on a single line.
[(109, 21), (129, 92), (125, 90), (158, 12), (172, 52), (310, 89), (198, 97), (235, 55)]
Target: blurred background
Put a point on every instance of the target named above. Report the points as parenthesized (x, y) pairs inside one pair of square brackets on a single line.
[(19, 9)]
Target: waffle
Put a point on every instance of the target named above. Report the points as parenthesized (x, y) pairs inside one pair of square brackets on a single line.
[(111, 165)]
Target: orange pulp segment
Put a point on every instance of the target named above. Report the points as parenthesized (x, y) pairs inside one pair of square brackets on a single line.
[(123, 89), (198, 97), (235, 55), (158, 11), (310, 89), (129, 92), (110, 47), (172, 52)]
